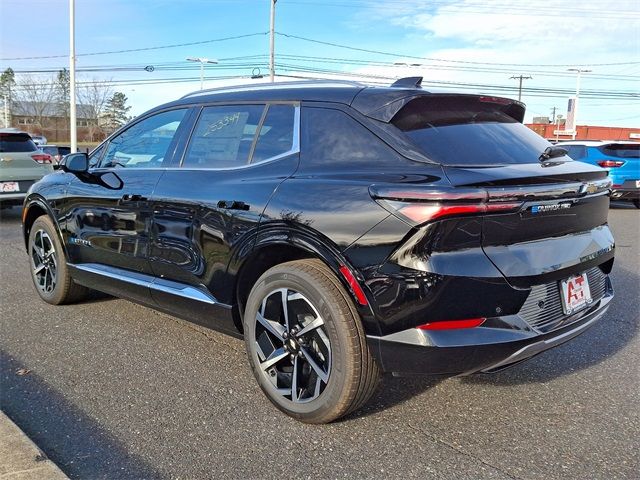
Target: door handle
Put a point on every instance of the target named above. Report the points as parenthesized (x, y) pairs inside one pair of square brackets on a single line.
[(233, 205), (132, 197)]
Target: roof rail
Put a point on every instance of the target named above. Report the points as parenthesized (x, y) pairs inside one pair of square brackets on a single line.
[(408, 82), (269, 86)]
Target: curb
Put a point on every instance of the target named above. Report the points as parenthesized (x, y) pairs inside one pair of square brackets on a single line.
[(21, 458)]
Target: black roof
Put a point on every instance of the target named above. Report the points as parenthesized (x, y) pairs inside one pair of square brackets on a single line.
[(376, 102)]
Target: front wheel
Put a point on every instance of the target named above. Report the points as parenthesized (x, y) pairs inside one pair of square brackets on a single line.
[(636, 202), (49, 270), (305, 343)]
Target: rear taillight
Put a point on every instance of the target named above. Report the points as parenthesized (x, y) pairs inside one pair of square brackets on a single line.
[(453, 324), (419, 213), (610, 163), (42, 158)]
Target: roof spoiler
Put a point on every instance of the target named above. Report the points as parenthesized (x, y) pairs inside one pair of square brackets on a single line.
[(408, 82)]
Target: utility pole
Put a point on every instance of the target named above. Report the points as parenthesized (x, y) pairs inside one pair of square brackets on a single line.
[(72, 77), (272, 26), (575, 104), (520, 78), (553, 112)]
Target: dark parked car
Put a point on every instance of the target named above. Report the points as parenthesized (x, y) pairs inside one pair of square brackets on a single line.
[(343, 230), (56, 151)]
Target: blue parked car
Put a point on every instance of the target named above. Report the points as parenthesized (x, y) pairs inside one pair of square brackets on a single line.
[(622, 159)]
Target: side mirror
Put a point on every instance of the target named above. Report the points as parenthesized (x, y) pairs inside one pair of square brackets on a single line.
[(76, 163)]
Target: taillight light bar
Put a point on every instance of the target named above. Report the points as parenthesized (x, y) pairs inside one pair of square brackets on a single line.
[(419, 213), (42, 158), (610, 163), (453, 324)]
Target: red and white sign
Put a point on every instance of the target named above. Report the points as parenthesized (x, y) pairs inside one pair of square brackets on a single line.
[(576, 294)]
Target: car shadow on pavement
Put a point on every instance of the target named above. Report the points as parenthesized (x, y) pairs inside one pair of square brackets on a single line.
[(71, 439), (603, 340), (395, 391)]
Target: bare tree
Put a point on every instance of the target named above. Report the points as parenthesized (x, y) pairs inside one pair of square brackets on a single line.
[(36, 98), (93, 97)]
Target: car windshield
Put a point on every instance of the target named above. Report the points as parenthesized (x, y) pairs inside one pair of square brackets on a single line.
[(469, 130), (16, 142)]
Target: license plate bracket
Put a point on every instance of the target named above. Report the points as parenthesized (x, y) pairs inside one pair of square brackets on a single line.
[(575, 293)]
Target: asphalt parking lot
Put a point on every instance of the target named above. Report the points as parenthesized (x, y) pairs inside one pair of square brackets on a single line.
[(116, 390)]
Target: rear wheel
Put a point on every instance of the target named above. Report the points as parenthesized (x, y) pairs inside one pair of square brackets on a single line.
[(49, 270), (636, 202), (305, 343)]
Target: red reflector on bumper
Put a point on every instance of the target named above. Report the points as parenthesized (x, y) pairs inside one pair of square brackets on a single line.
[(353, 283), (453, 324)]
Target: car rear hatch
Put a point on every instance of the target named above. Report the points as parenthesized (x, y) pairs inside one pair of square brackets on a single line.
[(20, 159), (543, 215), (623, 162)]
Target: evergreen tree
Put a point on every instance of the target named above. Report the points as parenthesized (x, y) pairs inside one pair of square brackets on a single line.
[(7, 82), (116, 111), (62, 93)]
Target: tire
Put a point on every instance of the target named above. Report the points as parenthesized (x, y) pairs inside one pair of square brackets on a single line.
[(49, 270), (636, 202), (323, 329)]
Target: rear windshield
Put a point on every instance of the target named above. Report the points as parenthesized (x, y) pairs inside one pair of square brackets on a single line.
[(49, 150), (16, 142), (622, 150), (470, 130)]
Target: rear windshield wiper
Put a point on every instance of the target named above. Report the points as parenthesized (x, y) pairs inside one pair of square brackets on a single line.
[(552, 152)]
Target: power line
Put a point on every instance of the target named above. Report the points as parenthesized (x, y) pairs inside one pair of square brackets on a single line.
[(201, 42), (399, 55), (521, 78)]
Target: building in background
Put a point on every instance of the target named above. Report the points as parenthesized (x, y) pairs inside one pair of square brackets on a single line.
[(557, 132), (52, 121)]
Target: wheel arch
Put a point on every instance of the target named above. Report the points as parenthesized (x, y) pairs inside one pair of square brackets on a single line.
[(283, 243), (35, 207)]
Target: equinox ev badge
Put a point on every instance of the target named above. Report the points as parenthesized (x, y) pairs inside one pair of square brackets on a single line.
[(550, 208), (79, 241)]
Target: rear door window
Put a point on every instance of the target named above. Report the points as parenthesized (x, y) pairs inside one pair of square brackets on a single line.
[(223, 136), (16, 142), (467, 130), (276, 134)]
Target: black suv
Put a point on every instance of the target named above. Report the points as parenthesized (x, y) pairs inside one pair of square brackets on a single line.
[(344, 230)]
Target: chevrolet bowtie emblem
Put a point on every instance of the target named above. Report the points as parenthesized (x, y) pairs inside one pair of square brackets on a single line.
[(588, 188)]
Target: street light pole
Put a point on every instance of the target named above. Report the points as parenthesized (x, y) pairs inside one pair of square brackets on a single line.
[(202, 62), (272, 27), (72, 77), (575, 104)]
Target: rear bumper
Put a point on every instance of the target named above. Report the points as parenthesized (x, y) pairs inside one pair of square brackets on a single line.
[(626, 194), (625, 190), (499, 343), (13, 198)]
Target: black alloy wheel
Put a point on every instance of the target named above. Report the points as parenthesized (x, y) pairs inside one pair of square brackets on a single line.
[(49, 270), (306, 344)]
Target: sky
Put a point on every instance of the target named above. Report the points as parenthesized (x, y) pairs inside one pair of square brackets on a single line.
[(470, 46)]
